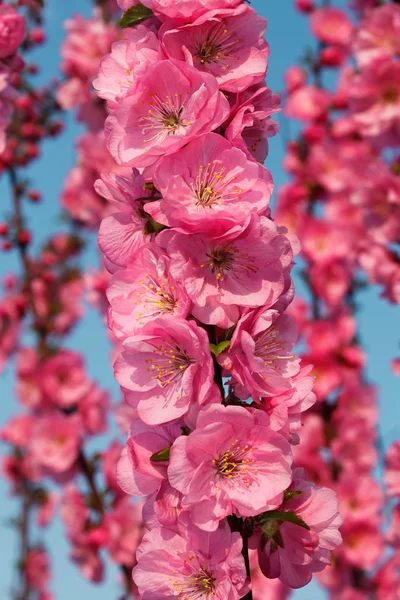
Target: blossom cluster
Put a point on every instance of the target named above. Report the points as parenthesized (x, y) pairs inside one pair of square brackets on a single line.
[(343, 202), (61, 409), (198, 302)]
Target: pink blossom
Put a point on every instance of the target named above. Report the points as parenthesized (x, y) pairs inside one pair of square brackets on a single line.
[(38, 569), (331, 26), (137, 475), (360, 498), (392, 469), (144, 291), (395, 364), (123, 526), (88, 561), (172, 104), (362, 544), (12, 30), (166, 368), (93, 409), (127, 62), (250, 124), (378, 36), (64, 379), (375, 99), (110, 458), (209, 186), (192, 564), (185, 10), (226, 43), (307, 102), (231, 463), (285, 409), (263, 588), (87, 41), (301, 552), (18, 430), (55, 442), (121, 234), (240, 268), (260, 354), (46, 509), (295, 77)]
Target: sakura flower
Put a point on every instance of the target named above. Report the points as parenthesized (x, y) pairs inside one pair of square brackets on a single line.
[(375, 99), (144, 291), (191, 565), (378, 37), (363, 544), (231, 464), (12, 30), (331, 26), (38, 569), (220, 274), (55, 442), (122, 233), (64, 379), (166, 368), (250, 123), (292, 552), (260, 354), (209, 186), (183, 10), (226, 43), (127, 62), (123, 528), (137, 475), (307, 102), (392, 469), (172, 104)]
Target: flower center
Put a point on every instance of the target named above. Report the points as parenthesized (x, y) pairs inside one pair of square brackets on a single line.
[(169, 363), (216, 46), (227, 258), (271, 349), (157, 297), (196, 583), (391, 96), (164, 117), (210, 185), (236, 462)]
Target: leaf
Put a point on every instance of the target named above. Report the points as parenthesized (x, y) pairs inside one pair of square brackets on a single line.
[(288, 516), (153, 227), (185, 431), (218, 349), (40, 2), (289, 494), (161, 455), (135, 15)]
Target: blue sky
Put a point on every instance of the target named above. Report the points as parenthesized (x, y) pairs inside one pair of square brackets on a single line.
[(287, 35)]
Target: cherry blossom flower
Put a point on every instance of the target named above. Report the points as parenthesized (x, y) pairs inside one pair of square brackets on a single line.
[(226, 43), (210, 186), (166, 367), (231, 463), (191, 564), (172, 104)]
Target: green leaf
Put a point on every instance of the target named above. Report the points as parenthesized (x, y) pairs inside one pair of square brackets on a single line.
[(185, 431), (153, 227), (218, 349), (161, 455), (288, 516), (135, 15), (40, 2), (289, 494)]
